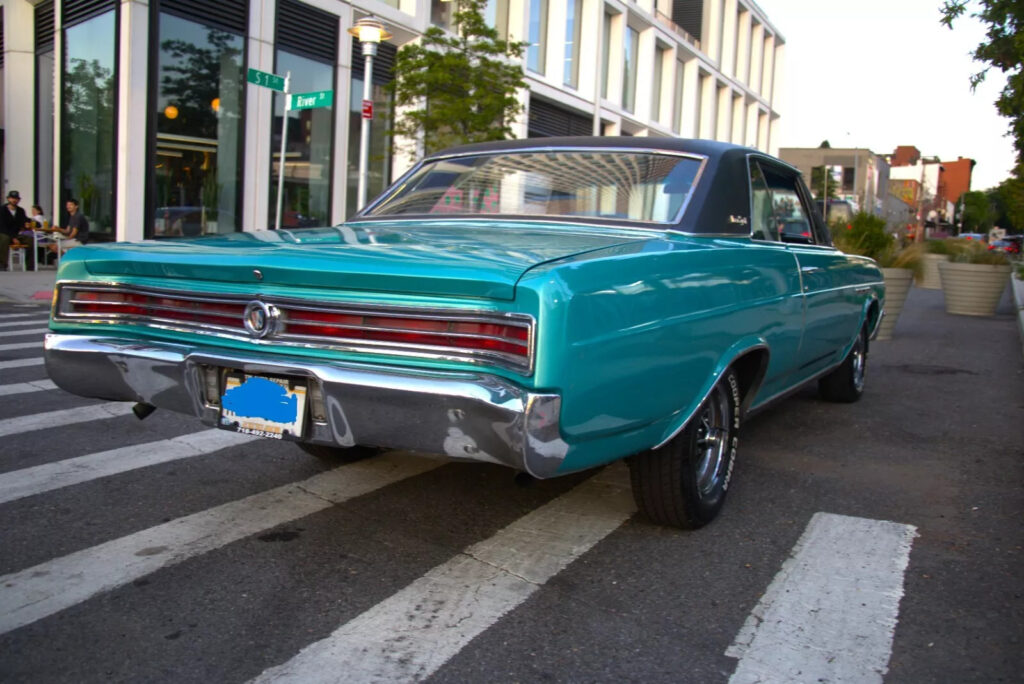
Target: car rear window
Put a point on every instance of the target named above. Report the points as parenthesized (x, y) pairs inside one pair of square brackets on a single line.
[(633, 186)]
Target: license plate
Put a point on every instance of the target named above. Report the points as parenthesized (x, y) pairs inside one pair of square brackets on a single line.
[(264, 407)]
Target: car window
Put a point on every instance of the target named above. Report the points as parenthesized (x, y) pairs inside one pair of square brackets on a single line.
[(762, 226), (635, 186), (788, 211)]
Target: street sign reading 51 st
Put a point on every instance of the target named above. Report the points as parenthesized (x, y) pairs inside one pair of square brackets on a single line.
[(319, 98), (267, 80)]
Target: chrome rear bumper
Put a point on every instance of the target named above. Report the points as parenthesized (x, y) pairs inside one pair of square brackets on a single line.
[(465, 415)]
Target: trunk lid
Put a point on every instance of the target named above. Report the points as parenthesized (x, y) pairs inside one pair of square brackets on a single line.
[(458, 258)]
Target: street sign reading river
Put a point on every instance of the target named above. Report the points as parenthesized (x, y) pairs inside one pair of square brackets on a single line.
[(319, 98), (267, 80)]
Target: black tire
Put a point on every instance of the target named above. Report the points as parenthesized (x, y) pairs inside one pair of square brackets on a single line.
[(684, 483), (334, 454), (846, 383)]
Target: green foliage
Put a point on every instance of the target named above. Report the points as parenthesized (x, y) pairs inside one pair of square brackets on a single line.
[(1007, 200), (974, 252), (978, 215), (937, 247), (461, 88), (831, 185), (1003, 49), (865, 234)]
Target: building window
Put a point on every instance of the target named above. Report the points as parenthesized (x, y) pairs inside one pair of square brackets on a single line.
[(677, 96), (659, 72), (629, 69), (379, 158), (306, 199), (88, 139), (606, 45), (574, 21), (197, 178), (44, 28), (442, 13), (496, 16), (536, 53)]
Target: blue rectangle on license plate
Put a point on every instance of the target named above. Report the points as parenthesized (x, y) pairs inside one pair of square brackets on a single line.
[(265, 407)]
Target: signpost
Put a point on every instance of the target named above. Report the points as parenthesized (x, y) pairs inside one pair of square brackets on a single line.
[(367, 109), (318, 98)]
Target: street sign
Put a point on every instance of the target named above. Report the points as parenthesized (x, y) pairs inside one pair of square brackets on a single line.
[(267, 80), (367, 109), (319, 98)]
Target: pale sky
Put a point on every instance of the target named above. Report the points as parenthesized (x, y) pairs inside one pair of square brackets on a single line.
[(882, 73)]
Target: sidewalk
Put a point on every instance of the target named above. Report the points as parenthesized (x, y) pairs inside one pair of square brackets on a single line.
[(26, 287)]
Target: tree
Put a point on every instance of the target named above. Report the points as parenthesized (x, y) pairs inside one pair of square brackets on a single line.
[(1008, 202), (831, 185), (1003, 50), (978, 215), (458, 88)]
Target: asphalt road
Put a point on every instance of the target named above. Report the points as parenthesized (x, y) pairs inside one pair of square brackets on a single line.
[(184, 556)]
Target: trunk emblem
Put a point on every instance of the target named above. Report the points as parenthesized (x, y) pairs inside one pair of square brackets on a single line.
[(260, 318)]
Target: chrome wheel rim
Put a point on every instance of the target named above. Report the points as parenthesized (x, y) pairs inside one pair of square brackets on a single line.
[(712, 441), (859, 361)]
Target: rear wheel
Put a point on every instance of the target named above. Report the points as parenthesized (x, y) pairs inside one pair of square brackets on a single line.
[(846, 383), (683, 484), (334, 454)]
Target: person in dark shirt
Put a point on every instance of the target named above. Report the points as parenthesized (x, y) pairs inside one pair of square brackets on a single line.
[(13, 220), (75, 230)]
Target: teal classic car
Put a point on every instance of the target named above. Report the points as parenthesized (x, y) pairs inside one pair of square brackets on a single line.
[(549, 305)]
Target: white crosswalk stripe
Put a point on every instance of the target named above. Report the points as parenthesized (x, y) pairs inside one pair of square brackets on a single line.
[(42, 590), (38, 344), (410, 635), (24, 322), (830, 613), (55, 419), (4, 317), (15, 333), (22, 363), (25, 387), (36, 480)]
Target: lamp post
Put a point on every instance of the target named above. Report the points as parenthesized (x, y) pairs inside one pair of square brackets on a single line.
[(369, 31)]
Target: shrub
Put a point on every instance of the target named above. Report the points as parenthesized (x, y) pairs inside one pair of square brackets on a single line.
[(865, 234), (973, 252)]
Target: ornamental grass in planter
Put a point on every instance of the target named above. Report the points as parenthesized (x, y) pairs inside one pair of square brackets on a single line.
[(934, 253), (865, 235), (973, 279)]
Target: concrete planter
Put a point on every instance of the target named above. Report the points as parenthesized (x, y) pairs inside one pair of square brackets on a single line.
[(973, 289), (930, 271), (897, 285)]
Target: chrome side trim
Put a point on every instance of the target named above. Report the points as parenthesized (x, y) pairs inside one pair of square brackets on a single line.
[(465, 415)]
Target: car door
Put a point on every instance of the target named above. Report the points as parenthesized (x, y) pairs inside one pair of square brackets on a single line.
[(831, 316)]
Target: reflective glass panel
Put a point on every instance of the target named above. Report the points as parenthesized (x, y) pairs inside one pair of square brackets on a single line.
[(633, 186), (197, 170), (88, 123), (306, 200)]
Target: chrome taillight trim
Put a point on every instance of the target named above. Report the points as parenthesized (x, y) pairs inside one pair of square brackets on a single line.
[(67, 298)]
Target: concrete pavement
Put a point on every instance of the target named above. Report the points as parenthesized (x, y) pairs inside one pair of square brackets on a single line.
[(27, 286)]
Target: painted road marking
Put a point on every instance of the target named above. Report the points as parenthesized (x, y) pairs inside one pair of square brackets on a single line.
[(831, 611), (56, 419), (44, 478), (38, 344), (4, 317), (408, 636), (16, 324), (32, 331), (37, 592), (25, 387), (21, 363)]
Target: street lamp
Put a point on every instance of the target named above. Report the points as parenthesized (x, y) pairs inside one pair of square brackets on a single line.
[(369, 31)]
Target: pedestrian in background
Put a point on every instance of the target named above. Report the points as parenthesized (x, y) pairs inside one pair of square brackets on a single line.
[(13, 220), (75, 230), (38, 217)]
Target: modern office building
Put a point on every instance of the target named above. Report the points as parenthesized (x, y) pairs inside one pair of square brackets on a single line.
[(142, 109)]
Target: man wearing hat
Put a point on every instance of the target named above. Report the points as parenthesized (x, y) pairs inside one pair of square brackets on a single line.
[(13, 220)]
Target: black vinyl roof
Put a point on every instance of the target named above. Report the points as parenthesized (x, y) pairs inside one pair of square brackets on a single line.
[(720, 203)]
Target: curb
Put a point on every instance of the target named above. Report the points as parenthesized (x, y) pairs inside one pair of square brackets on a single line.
[(1017, 285)]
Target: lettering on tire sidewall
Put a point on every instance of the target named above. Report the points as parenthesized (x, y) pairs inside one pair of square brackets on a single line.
[(734, 438)]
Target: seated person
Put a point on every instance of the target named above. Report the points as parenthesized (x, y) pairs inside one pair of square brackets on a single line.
[(75, 230)]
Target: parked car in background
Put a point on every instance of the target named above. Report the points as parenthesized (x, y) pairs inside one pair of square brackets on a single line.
[(551, 306), (975, 237), (836, 211), (1010, 245)]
